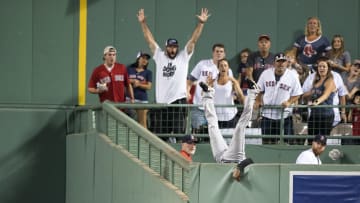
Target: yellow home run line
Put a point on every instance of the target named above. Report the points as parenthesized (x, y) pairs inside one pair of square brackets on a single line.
[(82, 52)]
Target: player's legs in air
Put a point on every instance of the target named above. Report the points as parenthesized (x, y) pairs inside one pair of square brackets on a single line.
[(235, 152)]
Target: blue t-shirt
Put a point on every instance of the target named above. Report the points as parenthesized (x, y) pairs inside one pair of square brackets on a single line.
[(144, 77), (309, 52), (317, 92)]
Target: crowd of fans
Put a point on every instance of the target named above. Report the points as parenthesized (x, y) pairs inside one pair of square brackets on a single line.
[(314, 72)]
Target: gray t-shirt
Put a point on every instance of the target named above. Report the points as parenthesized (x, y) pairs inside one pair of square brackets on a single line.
[(260, 64)]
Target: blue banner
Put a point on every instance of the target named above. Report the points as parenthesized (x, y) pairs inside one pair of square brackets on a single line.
[(324, 187)]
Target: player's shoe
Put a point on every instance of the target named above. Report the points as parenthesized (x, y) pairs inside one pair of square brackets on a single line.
[(204, 86), (208, 92)]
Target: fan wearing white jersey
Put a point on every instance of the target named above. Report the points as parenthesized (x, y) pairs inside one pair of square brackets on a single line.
[(278, 86), (202, 72), (171, 71)]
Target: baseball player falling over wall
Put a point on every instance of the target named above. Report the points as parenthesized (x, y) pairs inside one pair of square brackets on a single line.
[(235, 152)]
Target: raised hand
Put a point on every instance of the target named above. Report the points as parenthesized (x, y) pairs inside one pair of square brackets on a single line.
[(141, 15), (204, 15)]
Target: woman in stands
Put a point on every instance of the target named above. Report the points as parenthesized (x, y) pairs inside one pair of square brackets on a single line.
[(322, 93), (340, 60)]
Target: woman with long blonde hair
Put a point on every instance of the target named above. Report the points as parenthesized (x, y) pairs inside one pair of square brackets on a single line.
[(310, 46)]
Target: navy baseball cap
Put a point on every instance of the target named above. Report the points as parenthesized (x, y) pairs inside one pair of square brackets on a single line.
[(321, 139), (190, 139), (171, 42), (280, 57), (140, 54)]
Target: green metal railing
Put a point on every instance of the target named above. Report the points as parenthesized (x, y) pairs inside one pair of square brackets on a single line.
[(140, 142)]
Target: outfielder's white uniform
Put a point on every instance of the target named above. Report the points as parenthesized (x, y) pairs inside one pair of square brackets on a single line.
[(340, 91), (308, 157), (235, 152), (276, 93)]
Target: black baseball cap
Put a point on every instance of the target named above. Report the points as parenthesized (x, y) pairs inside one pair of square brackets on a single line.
[(190, 139), (280, 57), (140, 54), (321, 139), (172, 42)]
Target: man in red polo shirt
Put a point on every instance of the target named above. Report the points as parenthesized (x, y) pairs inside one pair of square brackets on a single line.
[(109, 80)]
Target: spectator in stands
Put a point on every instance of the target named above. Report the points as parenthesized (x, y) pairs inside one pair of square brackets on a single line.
[(340, 59), (225, 86), (312, 155), (188, 146), (141, 80), (244, 55), (354, 116), (110, 79), (278, 86), (171, 71), (322, 93), (310, 46), (300, 70), (204, 70), (339, 97), (352, 80), (260, 60)]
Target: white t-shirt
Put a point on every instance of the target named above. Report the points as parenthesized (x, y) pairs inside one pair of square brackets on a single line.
[(340, 91), (308, 157), (224, 95), (171, 75), (201, 71), (276, 93)]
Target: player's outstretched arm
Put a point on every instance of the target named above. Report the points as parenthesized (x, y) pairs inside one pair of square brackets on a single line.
[(147, 33), (204, 15)]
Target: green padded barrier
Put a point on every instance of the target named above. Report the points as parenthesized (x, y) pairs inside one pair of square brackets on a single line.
[(260, 184), (32, 155), (80, 158), (103, 170)]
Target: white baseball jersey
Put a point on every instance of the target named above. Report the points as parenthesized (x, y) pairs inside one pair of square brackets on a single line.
[(171, 75), (308, 157), (340, 91), (201, 71), (275, 93)]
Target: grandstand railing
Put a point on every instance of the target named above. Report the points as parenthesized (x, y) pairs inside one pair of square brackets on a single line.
[(140, 142)]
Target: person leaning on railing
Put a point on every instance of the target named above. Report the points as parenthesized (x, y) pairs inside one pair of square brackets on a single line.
[(278, 86), (322, 93)]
